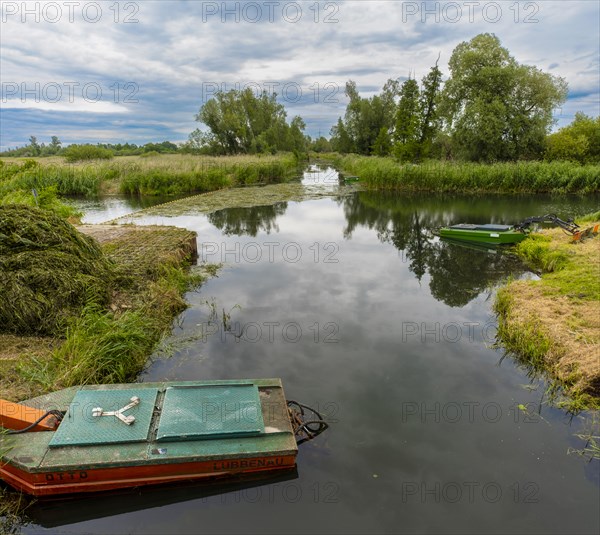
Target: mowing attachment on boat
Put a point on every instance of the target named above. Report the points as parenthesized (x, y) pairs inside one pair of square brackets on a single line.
[(568, 226), (107, 437), (510, 234)]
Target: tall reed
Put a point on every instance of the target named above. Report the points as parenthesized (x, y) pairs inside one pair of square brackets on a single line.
[(518, 177)]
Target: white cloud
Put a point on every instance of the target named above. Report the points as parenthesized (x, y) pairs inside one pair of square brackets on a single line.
[(171, 52)]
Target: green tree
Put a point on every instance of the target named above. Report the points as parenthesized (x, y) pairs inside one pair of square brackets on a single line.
[(340, 139), (429, 102), (406, 133), (54, 146), (240, 122), (34, 146), (321, 144), (495, 108), (579, 141), (367, 121), (382, 145)]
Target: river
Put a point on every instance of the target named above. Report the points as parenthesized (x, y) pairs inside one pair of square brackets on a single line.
[(362, 312)]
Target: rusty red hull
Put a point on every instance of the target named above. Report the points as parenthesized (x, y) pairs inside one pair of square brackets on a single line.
[(97, 480), (160, 433)]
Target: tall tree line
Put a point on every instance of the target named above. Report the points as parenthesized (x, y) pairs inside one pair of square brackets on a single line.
[(490, 108)]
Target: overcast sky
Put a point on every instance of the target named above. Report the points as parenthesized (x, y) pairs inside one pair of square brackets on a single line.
[(139, 71)]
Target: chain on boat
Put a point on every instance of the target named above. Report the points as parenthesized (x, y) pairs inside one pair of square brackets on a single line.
[(307, 423)]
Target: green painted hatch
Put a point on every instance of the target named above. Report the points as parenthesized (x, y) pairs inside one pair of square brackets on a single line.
[(212, 411), (80, 427)]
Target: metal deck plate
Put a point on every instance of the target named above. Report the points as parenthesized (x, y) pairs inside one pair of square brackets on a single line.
[(205, 412), (80, 428)]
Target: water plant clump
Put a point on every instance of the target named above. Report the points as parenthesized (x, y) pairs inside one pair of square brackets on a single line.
[(48, 271)]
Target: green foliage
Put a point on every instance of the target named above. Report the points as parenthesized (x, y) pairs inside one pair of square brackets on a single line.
[(408, 115), (429, 103), (19, 185), (495, 108), (48, 270), (149, 175), (508, 177), (592, 217), (112, 347), (200, 176), (340, 139), (241, 123), (525, 340), (578, 142), (321, 144), (34, 146), (78, 153), (367, 122), (150, 154), (47, 198), (381, 125), (382, 145), (101, 347), (537, 252), (67, 180)]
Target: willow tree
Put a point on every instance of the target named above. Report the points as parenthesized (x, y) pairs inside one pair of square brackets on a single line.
[(494, 108), (241, 122)]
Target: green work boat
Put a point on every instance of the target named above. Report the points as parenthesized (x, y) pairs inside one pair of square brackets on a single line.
[(483, 234), (502, 234)]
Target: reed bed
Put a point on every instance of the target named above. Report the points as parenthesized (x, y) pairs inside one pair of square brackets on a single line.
[(169, 174), (516, 177)]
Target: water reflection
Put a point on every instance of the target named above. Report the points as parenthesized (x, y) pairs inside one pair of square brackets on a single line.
[(248, 221), (320, 174), (62, 512), (458, 273), (418, 413)]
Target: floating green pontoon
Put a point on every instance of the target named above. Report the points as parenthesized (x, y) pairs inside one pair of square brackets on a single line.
[(502, 234), (483, 234)]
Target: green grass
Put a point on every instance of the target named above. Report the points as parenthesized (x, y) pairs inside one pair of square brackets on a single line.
[(564, 344), (78, 153), (12, 507), (566, 270), (48, 271), (149, 175), (520, 177), (64, 178), (525, 340), (103, 347), (589, 218), (536, 250)]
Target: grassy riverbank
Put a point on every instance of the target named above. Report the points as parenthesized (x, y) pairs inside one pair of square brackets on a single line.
[(553, 324), (519, 177), (111, 293), (101, 335), (168, 174)]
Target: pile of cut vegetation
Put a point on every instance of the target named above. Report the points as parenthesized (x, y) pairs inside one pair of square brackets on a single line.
[(48, 271)]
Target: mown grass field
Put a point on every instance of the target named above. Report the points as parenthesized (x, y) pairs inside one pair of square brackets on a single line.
[(553, 324)]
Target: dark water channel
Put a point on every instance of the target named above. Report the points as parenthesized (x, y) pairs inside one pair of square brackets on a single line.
[(365, 314)]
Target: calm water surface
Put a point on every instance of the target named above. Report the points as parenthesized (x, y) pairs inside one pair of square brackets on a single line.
[(365, 314)]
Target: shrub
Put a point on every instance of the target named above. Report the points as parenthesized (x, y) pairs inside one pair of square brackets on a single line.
[(78, 153)]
